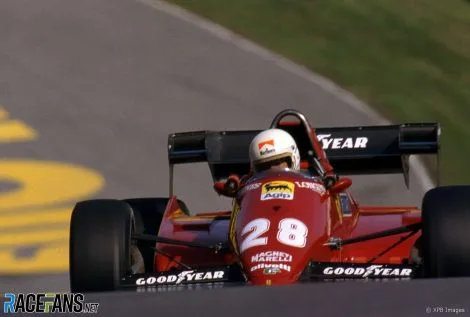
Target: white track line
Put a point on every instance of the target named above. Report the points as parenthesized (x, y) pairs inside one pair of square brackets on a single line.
[(324, 83)]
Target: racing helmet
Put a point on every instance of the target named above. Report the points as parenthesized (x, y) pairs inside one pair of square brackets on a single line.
[(272, 147)]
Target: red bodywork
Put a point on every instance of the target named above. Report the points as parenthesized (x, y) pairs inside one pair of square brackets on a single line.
[(285, 232), (323, 219)]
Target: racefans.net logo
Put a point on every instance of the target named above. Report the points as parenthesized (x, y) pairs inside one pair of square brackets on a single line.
[(47, 303)]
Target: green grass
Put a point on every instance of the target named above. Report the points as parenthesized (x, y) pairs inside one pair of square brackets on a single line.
[(410, 59)]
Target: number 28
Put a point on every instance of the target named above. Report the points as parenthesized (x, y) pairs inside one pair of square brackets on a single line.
[(291, 232)]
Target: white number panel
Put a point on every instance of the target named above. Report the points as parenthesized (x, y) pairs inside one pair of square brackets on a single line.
[(290, 231)]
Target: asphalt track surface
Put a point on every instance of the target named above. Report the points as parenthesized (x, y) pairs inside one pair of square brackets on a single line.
[(104, 82)]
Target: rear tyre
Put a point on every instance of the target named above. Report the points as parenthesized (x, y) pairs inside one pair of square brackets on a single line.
[(100, 243), (446, 232)]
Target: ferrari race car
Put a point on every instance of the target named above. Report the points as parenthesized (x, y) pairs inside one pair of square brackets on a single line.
[(285, 226)]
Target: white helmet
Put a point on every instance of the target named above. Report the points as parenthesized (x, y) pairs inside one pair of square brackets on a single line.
[(273, 145)]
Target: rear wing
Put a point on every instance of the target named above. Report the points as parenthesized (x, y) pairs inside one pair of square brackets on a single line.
[(362, 150)]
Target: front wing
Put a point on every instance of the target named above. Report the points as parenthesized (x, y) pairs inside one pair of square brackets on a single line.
[(216, 277)]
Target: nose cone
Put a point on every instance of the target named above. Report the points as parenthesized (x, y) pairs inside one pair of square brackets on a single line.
[(278, 223)]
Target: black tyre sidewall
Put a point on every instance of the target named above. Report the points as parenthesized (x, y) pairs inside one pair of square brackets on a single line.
[(446, 231), (100, 239)]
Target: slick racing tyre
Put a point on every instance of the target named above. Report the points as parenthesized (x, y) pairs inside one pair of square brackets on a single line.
[(100, 242), (445, 239)]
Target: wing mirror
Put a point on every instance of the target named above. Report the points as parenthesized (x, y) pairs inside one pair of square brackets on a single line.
[(341, 185)]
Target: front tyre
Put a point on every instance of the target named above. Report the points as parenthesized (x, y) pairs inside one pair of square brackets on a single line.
[(100, 245), (446, 232)]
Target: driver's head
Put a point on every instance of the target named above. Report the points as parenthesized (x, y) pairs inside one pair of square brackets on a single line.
[(273, 148)]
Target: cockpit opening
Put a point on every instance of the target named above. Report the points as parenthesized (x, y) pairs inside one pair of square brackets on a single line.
[(282, 162)]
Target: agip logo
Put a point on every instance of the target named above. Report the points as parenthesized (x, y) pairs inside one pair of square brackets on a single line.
[(278, 190)]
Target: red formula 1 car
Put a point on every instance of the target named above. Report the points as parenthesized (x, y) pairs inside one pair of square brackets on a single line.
[(286, 226)]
